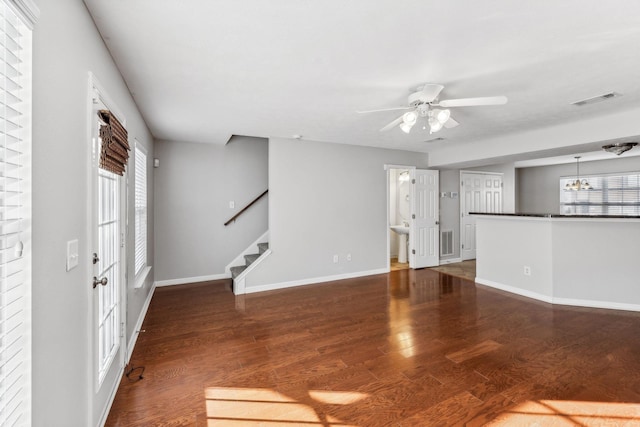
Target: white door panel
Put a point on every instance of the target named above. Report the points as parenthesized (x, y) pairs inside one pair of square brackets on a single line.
[(480, 192), (425, 229)]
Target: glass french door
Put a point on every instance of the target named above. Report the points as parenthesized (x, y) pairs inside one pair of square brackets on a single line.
[(108, 207), (107, 269)]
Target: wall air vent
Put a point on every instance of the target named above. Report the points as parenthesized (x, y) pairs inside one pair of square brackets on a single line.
[(595, 99), (446, 242)]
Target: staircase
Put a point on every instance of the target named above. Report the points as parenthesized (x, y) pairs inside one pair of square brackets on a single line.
[(248, 260)]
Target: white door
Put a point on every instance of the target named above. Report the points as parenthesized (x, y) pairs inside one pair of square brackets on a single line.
[(107, 280), (424, 235), (480, 192)]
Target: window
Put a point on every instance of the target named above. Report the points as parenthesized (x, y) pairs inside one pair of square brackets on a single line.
[(615, 194), (15, 214), (141, 209)]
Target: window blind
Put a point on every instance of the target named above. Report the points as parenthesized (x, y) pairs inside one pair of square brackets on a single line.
[(616, 194), (140, 165), (114, 151), (15, 75)]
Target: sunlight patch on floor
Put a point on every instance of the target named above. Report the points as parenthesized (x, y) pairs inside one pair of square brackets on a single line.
[(570, 413), (252, 407)]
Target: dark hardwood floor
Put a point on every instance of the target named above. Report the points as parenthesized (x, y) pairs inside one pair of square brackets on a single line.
[(408, 348)]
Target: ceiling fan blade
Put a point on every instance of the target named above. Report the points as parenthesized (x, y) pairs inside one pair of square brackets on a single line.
[(471, 102), (431, 91), (384, 109), (451, 123), (394, 123)]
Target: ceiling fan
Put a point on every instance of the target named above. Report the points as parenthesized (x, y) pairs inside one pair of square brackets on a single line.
[(422, 103)]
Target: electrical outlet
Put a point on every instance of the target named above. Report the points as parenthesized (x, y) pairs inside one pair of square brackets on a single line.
[(335, 259), (348, 257), (527, 270)]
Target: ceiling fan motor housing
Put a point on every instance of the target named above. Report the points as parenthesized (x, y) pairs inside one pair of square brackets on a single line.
[(418, 98)]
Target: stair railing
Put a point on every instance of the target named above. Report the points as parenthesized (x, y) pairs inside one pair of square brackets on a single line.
[(233, 218)]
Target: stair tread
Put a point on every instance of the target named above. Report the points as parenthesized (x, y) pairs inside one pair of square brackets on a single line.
[(251, 258), (235, 271)]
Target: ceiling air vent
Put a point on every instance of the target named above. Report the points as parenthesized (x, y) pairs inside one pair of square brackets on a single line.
[(595, 99), (435, 139)]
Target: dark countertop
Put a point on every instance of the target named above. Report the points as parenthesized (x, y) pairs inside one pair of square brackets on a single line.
[(538, 215)]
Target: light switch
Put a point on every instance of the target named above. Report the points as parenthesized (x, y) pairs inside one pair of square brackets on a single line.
[(72, 254), (232, 204)]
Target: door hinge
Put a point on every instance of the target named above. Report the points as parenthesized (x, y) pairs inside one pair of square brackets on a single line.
[(122, 329), (122, 240), (413, 251), (462, 246), (413, 216), (413, 181)]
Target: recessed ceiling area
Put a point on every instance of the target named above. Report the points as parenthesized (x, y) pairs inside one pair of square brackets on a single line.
[(212, 69)]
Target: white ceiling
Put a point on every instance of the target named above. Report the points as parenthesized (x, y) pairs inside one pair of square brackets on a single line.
[(204, 70)]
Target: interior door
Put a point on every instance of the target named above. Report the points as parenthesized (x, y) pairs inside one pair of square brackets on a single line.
[(480, 192), (424, 235), (106, 283)]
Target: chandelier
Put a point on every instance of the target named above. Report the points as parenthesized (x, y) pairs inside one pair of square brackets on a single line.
[(619, 147), (577, 184)]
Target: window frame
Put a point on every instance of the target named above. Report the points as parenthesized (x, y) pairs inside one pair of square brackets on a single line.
[(141, 270)]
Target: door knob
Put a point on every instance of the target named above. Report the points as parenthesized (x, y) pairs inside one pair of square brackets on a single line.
[(102, 281)]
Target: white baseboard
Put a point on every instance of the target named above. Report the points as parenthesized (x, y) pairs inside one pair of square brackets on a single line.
[(514, 290), (609, 305), (112, 397), (185, 280), (597, 304), (138, 327), (450, 261), (311, 281)]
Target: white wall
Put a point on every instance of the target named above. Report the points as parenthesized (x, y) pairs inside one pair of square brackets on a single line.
[(326, 199), (66, 48), (194, 185), (539, 187), (450, 208)]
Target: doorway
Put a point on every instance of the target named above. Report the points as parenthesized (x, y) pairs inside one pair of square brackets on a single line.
[(108, 282), (399, 215), (412, 217), (479, 192)]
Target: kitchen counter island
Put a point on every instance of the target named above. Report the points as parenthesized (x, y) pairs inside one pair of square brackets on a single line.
[(589, 261)]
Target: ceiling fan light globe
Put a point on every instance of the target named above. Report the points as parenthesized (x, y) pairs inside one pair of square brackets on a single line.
[(435, 126), (409, 118), (406, 128), (443, 116)]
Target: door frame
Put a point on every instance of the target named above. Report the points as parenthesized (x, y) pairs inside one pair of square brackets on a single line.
[(387, 168), (101, 392), (462, 203)]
